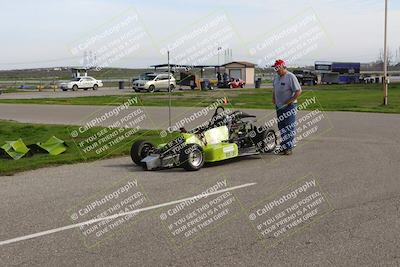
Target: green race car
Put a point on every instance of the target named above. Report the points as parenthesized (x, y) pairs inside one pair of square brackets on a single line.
[(227, 135)]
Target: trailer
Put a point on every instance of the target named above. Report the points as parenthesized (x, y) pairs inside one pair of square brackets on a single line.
[(338, 72)]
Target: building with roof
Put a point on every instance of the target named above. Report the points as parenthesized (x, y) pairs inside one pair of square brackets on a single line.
[(79, 72), (241, 69)]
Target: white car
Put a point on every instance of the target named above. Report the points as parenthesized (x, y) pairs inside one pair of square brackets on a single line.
[(81, 83), (152, 82)]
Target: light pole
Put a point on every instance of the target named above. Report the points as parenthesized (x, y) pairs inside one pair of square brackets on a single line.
[(385, 63)]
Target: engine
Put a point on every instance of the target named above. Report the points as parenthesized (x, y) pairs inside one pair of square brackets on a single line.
[(239, 133)]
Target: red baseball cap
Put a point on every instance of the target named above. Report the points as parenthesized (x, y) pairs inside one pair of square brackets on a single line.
[(278, 63)]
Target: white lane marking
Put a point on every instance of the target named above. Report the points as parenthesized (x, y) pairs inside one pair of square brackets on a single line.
[(55, 230)]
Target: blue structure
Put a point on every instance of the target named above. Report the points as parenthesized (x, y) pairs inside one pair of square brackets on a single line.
[(338, 72)]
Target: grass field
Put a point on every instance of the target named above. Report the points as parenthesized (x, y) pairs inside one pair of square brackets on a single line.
[(33, 133), (362, 98), (9, 90)]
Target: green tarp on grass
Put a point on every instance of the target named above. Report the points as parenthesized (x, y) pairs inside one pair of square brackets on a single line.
[(53, 146), (15, 149)]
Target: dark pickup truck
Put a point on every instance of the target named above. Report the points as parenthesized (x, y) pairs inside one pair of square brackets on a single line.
[(306, 77)]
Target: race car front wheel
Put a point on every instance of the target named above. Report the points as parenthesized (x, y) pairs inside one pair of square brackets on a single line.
[(192, 157), (139, 150)]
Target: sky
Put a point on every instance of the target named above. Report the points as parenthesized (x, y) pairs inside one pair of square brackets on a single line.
[(51, 33)]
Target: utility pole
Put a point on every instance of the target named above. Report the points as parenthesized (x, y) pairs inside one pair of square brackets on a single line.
[(385, 66), (169, 90), (398, 56), (219, 48), (225, 56)]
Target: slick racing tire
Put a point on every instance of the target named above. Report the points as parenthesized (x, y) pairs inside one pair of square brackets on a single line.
[(139, 150), (266, 141), (191, 157)]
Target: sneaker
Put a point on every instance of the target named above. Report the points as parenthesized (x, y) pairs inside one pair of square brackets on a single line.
[(288, 152), (282, 152)]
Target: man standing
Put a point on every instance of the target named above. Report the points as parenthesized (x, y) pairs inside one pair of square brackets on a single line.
[(219, 77), (284, 96)]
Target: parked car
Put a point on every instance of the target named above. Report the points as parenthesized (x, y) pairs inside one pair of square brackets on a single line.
[(231, 83), (306, 77), (152, 82), (134, 79), (237, 83), (84, 83)]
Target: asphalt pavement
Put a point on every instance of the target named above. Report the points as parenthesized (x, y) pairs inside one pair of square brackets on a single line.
[(352, 157), (48, 93)]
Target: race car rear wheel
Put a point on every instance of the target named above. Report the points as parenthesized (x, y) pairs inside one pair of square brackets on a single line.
[(267, 141), (139, 150), (192, 157)]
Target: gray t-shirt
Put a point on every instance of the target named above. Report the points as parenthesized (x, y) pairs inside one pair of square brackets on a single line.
[(285, 87)]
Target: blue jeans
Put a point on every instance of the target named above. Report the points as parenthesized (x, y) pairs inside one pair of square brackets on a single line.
[(287, 125)]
